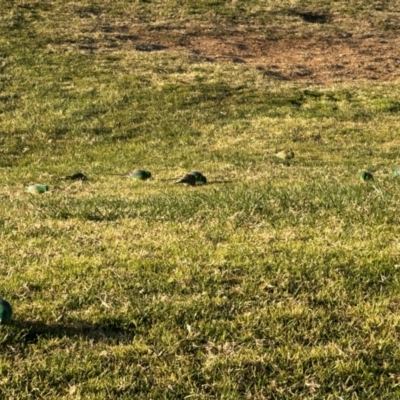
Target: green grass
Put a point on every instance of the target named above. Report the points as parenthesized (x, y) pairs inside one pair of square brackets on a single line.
[(277, 280)]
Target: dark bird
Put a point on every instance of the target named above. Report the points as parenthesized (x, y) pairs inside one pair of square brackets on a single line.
[(366, 176), (200, 178), (5, 312), (76, 177), (189, 179)]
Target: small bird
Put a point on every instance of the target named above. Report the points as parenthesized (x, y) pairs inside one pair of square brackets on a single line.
[(285, 154), (396, 171), (5, 312), (37, 188), (139, 174), (366, 176), (76, 177), (200, 178), (189, 179)]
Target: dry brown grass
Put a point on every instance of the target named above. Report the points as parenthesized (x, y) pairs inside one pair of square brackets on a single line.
[(322, 43)]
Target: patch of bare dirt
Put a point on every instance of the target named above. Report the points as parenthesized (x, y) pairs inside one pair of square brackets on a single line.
[(312, 59)]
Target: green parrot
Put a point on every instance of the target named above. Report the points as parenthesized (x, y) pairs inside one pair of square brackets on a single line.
[(5, 312), (139, 174), (38, 188), (285, 154), (366, 176)]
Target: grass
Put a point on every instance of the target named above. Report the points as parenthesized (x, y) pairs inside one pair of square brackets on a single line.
[(277, 280)]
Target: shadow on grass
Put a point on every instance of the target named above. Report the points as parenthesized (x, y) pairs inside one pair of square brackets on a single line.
[(31, 331), (219, 182), (216, 182), (150, 47)]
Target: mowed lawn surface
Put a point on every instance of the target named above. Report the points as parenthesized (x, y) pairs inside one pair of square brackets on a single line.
[(279, 279)]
